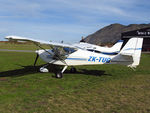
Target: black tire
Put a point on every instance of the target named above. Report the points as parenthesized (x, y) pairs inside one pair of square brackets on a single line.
[(58, 75), (73, 70)]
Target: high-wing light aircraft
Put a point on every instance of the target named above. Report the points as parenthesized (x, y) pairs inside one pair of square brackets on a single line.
[(86, 54)]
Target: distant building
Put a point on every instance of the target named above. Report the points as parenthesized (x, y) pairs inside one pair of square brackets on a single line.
[(144, 33)]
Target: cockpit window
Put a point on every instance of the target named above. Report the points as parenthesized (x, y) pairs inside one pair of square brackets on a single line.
[(69, 50)]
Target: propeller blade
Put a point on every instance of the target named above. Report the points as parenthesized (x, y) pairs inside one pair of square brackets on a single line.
[(37, 56)]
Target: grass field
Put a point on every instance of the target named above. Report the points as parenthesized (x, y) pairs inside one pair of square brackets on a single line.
[(93, 89)]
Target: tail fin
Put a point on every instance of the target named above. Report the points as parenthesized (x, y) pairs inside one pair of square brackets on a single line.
[(117, 46), (133, 49)]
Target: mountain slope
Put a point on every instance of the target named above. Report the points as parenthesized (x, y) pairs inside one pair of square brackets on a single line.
[(112, 33)]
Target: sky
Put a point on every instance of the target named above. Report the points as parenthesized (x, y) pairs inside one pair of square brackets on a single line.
[(67, 20)]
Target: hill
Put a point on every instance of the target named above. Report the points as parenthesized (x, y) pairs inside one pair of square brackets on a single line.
[(112, 33)]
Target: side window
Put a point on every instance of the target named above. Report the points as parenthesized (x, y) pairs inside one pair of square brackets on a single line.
[(90, 50), (97, 51)]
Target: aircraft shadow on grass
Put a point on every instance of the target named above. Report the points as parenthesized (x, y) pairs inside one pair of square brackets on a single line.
[(93, 72), (20, 72), (25, 70)]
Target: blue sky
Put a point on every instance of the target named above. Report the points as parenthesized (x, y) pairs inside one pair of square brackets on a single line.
[(67, 20)]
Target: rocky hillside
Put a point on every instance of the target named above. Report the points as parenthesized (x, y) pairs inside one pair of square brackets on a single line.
[(112, 33)]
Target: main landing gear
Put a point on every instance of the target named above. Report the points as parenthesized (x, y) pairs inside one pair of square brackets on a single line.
[(59, 74), (73, 70)]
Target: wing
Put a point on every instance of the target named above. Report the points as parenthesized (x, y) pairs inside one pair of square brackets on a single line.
[(18, 38)]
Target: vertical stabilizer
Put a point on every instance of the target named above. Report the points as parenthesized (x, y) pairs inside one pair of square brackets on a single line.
[(133, 48)]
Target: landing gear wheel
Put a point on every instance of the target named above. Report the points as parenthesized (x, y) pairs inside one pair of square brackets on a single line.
[(73, 70), (58, 75)]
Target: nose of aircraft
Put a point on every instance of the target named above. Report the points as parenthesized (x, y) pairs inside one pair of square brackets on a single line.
[(46, 55)]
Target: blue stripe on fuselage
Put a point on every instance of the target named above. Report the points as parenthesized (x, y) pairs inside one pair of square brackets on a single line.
[(76, 59)]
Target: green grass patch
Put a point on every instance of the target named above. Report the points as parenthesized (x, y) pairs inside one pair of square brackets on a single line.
[(98, 88)]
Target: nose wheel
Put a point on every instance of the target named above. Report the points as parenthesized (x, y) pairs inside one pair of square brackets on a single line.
[(44, 69)]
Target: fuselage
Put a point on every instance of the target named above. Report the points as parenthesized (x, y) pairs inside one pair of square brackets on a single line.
[(84, 54), (79, 57)]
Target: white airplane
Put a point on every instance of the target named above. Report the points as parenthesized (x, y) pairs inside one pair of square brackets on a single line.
[(76, 54)]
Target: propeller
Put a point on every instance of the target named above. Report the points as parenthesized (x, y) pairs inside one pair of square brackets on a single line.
[(37, 56)]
